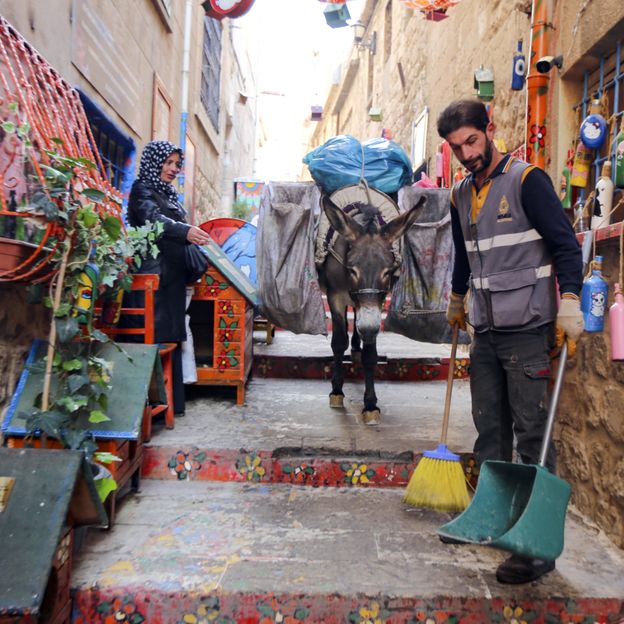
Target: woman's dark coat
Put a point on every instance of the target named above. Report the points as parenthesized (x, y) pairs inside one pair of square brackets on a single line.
[(147, 204)]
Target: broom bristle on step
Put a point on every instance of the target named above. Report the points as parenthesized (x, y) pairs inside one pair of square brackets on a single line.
[(437, 483)]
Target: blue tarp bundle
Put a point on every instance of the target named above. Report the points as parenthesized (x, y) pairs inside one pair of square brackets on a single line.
[(338, 163)]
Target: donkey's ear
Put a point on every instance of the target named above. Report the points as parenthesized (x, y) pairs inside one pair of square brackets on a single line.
[(341, 222), (399, 225)]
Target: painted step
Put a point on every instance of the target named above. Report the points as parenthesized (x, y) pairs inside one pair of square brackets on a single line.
[(254, 553), (286, 432), (400, 359)]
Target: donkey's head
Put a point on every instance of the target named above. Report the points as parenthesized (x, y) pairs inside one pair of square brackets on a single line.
[(369, 260)]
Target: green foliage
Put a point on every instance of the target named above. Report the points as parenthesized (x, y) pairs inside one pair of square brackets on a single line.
[(241, 210), (94, 240)]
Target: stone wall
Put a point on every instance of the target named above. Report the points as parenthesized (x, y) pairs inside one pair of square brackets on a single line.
[(590, 428), (420, 63)]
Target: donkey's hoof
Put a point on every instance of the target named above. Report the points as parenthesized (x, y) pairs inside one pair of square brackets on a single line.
[(372, 417), (356, 357), (336, 400)]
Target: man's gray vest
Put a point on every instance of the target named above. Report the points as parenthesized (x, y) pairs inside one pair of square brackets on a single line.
[(512, 277)]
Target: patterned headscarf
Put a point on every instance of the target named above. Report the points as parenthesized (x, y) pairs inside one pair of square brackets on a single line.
[(152, 160)]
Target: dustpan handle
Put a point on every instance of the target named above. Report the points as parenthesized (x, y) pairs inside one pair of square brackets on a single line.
[(554, 400), (449, 385)]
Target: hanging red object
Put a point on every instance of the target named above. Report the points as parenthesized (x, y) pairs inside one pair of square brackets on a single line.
[(434, 10), (218, 9)]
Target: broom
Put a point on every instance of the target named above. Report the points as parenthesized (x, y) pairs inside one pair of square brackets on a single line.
[(438, 482)]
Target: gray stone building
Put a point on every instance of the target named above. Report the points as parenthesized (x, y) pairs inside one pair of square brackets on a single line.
[(408, 68)]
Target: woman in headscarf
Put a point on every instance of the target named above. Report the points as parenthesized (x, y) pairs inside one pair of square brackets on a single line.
[(153, 198)]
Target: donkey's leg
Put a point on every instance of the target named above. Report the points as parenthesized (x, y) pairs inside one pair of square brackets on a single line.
[(370, 414), (339, 344), (356, 346)]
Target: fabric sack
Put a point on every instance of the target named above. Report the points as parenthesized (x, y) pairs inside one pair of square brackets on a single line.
[(421, 294), (195, 263), (287, 279)]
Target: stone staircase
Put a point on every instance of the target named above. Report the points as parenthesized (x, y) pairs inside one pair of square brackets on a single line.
[(284, 510)]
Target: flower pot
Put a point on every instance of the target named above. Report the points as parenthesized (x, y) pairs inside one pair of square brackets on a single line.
[(13, 253)]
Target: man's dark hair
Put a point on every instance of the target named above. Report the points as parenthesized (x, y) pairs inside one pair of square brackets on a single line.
[(462, 113)]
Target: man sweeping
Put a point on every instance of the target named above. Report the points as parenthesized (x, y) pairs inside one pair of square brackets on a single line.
[(512, 238)]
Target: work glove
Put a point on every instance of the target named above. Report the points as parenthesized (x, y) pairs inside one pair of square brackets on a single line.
[(455, 313), (569, 322)]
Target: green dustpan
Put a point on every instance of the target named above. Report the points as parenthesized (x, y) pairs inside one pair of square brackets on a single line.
[(518, 507)]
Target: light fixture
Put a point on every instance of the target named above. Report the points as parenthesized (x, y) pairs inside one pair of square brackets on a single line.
[(358, 37)]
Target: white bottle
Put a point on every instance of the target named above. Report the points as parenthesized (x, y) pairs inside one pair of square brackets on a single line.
[(604, 198)]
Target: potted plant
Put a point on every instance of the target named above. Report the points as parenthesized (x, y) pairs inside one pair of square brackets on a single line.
[(95, 257)]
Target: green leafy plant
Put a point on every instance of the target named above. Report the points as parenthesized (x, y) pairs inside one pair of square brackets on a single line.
[(96, 256), (241, 210)]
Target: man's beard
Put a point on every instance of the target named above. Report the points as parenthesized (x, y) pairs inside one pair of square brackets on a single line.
[(480, 163)]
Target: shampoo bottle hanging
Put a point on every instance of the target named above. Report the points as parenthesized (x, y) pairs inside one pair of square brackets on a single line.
[(616, 325), (594, 298), (603, 201), (86, 295)]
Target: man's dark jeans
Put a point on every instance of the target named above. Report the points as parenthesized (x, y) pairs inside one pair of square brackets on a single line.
[(509, 378)]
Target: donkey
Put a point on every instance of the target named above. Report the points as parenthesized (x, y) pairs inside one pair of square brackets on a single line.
[(358, 272)]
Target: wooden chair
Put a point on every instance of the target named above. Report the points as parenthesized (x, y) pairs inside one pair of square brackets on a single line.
[(148, 284)]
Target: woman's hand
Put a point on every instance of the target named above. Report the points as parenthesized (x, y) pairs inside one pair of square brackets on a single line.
[(197, 235)]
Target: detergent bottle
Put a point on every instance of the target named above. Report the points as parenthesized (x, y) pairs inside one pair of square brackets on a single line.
[(518, 70), (565, 189), (86, 295), (594, 127), (594, 298), (616, 325), (619, 157), (583, 157), (604, 198)]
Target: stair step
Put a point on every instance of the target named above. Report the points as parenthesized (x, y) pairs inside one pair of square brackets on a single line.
[(399, 359), (286, 432), (231, 552)]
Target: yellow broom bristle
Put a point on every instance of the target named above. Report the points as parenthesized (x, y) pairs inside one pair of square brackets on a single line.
[(438, 484)]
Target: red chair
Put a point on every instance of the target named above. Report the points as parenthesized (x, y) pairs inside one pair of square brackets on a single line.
[(148, 284)]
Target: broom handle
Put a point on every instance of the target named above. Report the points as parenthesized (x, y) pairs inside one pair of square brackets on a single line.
[(554, 400), (449, 385)]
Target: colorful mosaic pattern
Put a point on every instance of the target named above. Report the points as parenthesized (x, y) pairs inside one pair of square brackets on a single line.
[(261, 467), (108, 606), (287, 367)]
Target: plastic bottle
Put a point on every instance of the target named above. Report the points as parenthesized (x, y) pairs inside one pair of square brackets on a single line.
[(594, 298), (85, 297), (579, 216), (565, 192), (583, 157), (604, 198), (519, 67), (594, 127), (616, 325), (619, 157)]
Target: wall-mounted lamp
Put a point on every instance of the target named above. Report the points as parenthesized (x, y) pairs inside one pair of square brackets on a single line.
[(546, 63), (358, 37)]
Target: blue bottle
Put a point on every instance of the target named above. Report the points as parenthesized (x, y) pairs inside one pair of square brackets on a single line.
[(518, 70), (594, 298)]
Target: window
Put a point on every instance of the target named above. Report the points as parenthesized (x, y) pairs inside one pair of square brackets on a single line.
[(211, 70), (161, 111), (115, 148), (605, 83)]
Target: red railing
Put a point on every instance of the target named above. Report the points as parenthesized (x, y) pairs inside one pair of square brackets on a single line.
[(39, 112)]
